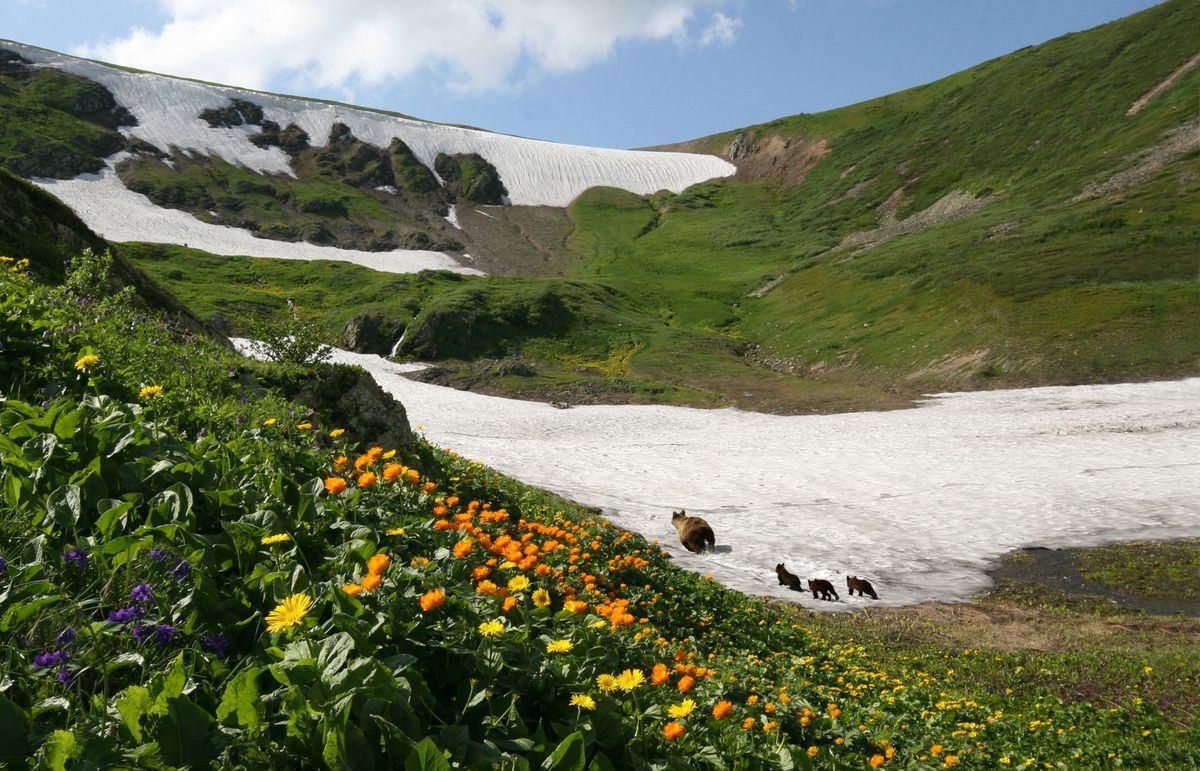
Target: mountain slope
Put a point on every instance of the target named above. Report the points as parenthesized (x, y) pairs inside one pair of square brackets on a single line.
[(292, 169), (1032, 220)]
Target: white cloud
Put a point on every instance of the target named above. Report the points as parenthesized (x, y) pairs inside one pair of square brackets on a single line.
[(722, 30), (477, 44)]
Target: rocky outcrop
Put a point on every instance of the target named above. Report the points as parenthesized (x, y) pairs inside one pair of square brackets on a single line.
[(350, 398), (55, 124), (371, 333), (292, 140), (236, 113), (470, 177)]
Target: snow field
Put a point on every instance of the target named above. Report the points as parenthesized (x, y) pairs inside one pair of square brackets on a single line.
[(919, 501), (534, 171)]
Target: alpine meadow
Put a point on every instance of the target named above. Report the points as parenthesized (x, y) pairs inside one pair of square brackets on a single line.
[(331, 437)]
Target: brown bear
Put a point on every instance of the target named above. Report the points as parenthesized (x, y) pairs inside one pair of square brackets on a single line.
[(694, 532), (825, 588), (862, 586), (790, 580)]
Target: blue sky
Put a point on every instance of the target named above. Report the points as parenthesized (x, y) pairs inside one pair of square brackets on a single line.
[(615, 73)]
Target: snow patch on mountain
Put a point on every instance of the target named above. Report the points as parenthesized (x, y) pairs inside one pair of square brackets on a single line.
[(119, 214), (921, 501), (536, 172)]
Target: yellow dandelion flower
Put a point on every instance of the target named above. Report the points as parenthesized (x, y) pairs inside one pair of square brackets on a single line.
[(630, 679), (492, 628), (305, 426), (289, 613), (559, 646), (394, 531), (518, 584), (607, 683), (389, 455), (150, 392), (541, 598), (335, 433), (583, 701), (267, 540), (270, 422), (508, 565), (87, 362), (682, 709)]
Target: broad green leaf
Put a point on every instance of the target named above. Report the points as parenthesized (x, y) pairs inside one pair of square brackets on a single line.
[(185, 734), (426, 757), (569, 755), (241, 700), (14, 731), (60, 747), (132, 704)]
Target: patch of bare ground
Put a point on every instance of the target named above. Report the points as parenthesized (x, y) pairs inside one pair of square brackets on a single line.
[(954, 366), (953, 206), (766, 156), (516, 240), (1167, 82), (1177, 143)]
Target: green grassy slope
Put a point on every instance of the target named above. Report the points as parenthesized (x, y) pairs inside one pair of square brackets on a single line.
[(1036, 281)]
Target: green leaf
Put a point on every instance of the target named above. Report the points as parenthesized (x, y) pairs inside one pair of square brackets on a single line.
[(569, 755), (185, 735), (172, 686), (426, 757), (64, 507), (241, 701), (14, 732), (59, 748), (132, 704)]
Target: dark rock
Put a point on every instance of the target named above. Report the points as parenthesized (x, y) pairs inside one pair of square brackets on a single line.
[(292, 140), (340, 132), (409, 172), (236, 113), (353, 400), (371, 333), (12, 63), (470, 177)]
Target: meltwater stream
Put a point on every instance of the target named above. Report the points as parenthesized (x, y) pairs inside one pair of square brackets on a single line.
[(920, 501)]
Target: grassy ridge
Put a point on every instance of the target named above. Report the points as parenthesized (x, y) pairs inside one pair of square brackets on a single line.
[(456, 615)]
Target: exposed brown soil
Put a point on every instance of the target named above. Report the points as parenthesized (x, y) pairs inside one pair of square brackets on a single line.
[(770, 156), (516, 240)]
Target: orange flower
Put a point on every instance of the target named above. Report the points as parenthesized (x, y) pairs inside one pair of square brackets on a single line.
[(480, 573), (463, 548), (429, 487), (575, 606), (672, 731), (432, 600), (876, 761), (509, 603), (334, 485), (366, 479), (341, 462), (686, 683), (374, 454), (412, 475), (352, 589), (722, 710), (747, 724), (371, 582), (379, 563), (361, 463), (660, 674), (392, 472)]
